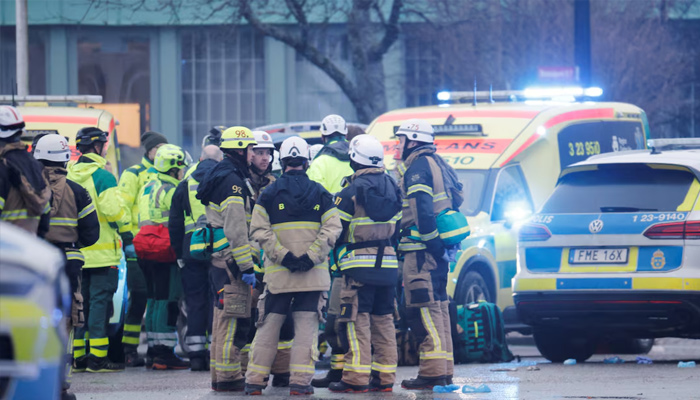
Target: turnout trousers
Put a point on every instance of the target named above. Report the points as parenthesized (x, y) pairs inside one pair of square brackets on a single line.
[(229, 335), (366, 323), (164, 292), (199, 301), (338, 347), (306, 309), (284, 347), (138, 295), (428, 314), (97, 288)]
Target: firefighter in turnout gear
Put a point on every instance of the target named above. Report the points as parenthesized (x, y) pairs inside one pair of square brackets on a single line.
[(186, 214), (228, 203), (132, 180), (260, 177), (296, 224), (100, 272), (24, 192), (332, 162), (425, 266), (369, 207), (163, 283), (74, 224)]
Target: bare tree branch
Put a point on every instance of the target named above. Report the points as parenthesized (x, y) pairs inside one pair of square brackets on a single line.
[(391, 32)]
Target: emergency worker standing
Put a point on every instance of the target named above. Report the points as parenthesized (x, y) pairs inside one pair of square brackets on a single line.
[(132, 180), (163, 282), (425, 266), (369, 207), (228, 203), (24, 192), (261, 177), (332, 162), (186, 214), (296, 224), (74, 224), (100, 271)]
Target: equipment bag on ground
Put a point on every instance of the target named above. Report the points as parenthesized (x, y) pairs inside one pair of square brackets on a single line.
[(153, 243), (478, 334)]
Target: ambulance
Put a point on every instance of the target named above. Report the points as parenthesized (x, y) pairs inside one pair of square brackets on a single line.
[(67, 121), (508, 148), (41, 117)]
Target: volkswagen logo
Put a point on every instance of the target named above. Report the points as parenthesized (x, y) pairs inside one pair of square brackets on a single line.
[(595, 226)]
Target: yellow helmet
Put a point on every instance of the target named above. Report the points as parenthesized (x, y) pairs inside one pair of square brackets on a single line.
[(237, 137)]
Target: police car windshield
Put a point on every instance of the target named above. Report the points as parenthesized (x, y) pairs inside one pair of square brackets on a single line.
[(623, 188), (473, 191)]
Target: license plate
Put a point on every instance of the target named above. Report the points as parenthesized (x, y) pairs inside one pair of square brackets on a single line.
[(598, 256)]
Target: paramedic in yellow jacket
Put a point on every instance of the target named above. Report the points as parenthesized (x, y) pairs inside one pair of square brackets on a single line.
[(132, 180), (332, 163), (100, 272), (228, 203), (163, 283), (296, 223)]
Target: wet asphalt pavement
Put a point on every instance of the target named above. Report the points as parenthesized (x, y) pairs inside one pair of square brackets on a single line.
[(590, 380)]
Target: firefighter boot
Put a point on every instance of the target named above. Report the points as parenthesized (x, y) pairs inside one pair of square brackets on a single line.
[(342, 387), (333, 375), (280, 380), (102, 364), (421, 383), (169, 360)]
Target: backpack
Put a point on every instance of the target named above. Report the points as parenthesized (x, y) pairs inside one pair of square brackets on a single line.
[(478, 334), (153, 243)]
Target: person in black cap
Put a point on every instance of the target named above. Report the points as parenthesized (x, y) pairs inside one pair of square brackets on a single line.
[(130, 184)]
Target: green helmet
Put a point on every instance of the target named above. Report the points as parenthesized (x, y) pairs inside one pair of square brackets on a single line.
[(168, 157)]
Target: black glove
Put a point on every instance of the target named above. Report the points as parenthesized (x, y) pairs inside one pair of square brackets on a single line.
[(291, 262), (233, 267), (436, 248), (305, 263)]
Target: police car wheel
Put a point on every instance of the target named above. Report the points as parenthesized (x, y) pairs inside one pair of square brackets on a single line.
[(558, 345), (473, 288), (631, 346)]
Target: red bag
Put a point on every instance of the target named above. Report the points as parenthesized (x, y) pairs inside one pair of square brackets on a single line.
[(153, 243)]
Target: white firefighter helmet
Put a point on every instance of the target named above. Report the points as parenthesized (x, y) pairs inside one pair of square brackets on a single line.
[(11, 121), (264, 140), (52, 147), (294, 147), (367, 150), (417, 129), (276, 164), (313, 150), (333, 124)]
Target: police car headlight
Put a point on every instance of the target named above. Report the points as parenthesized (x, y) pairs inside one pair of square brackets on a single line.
[(16, 280)]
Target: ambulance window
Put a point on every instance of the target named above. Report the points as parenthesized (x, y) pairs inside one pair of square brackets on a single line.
[(511, 200), (473, 187)]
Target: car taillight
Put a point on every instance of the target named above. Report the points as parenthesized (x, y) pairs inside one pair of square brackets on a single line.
[(534, 232), (674, 230)]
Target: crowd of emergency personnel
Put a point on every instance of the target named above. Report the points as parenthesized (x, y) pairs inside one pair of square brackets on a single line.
[(261, 259)]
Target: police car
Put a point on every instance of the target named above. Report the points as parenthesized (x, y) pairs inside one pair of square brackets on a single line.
[(614, 252)]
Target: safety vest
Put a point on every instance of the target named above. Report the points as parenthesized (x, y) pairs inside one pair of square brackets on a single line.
[(156, 199), (197, 218), (110, 210), (133, 179)]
